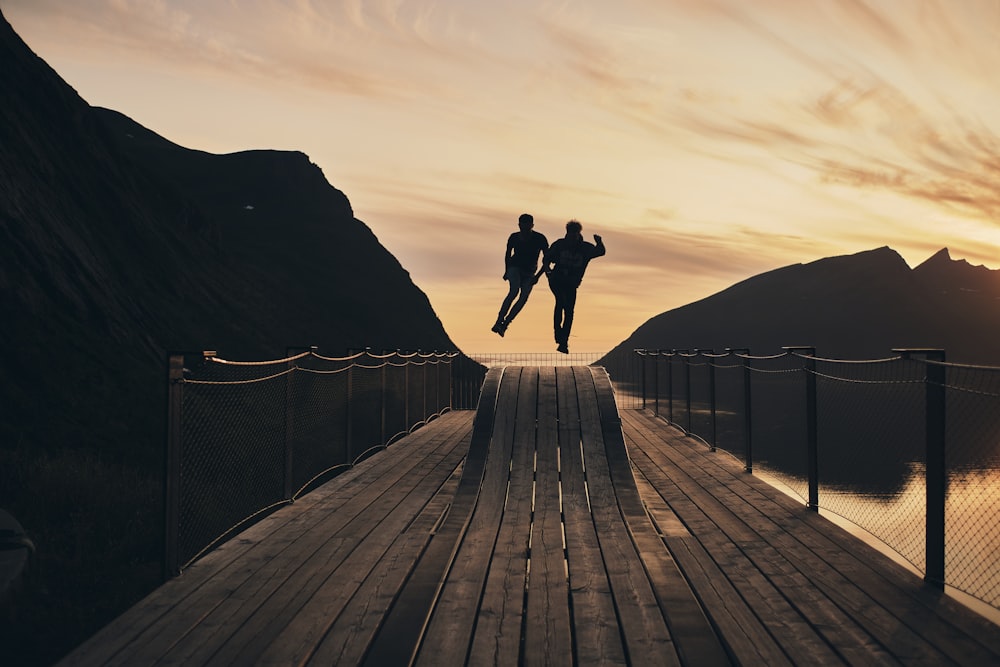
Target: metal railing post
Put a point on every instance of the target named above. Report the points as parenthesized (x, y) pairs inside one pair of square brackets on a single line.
[(406, 392), (937, 479), (812, 445), (172, 465), (711, 391), (642, 374), (437, 383), (936, 473), (423, 391), (670, 386), (289, 427), (382, 410), (348, 417), (747, 408), (687, 387), (656, 383), (290, 419), (451, 384)]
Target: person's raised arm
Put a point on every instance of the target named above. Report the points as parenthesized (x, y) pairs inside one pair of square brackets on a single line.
[(599, 244)]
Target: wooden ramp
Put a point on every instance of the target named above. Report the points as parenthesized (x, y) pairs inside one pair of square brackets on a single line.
[(529, 535)]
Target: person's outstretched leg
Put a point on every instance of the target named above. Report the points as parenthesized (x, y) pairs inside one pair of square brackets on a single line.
[(569, 304), (514, 280), (526, 284), (563, 314), (557, 310)]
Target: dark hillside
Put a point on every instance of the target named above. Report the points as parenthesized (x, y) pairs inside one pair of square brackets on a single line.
[(116, 247), (314, 271), (853, 307)]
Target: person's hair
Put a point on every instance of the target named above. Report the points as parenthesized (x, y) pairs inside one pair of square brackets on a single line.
[(574, 226), (525, 219)]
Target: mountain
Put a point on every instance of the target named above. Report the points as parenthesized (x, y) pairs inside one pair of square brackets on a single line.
[(851, 307), (117, 247)]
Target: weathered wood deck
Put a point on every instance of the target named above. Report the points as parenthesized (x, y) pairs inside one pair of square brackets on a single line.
[(550, 529)]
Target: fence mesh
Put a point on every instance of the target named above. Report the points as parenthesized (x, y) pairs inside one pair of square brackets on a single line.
[(232, 456), (254, 435), (317, 437), (871, 434), (972, 527)]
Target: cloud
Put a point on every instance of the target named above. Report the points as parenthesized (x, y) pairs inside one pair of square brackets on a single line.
[(956, 168), (307, 43)]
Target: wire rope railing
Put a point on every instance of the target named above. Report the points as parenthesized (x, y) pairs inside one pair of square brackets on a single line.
[(905, 447), (244, 438)]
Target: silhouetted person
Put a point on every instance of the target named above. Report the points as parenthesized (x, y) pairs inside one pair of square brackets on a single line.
[(565, 263), (520, 262)]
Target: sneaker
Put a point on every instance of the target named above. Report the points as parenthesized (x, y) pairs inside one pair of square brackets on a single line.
[(562, 348), (499, 329)]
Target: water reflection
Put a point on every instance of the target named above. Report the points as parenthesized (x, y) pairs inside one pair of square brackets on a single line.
[(895, 525), (870, 420)]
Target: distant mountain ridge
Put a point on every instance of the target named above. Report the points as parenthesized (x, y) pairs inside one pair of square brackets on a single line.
[(852, 306)]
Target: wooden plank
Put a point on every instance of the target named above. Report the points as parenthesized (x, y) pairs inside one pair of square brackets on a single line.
[(333, 578), (398, 638), (596, 636), (647, 639), (547, 634), (873, 594), (496, 635), (240, 628), (820, 622), (745, 636), (269, 536), (797, 638), (938, 619), (171, 618), (347, 636), (693, 635), (665, 520), (489, 568), (297, 616)]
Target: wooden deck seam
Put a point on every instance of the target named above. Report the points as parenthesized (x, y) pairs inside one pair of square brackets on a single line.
[(119, 639), (405, 621), (286, 581), (547, 527), (843, 588), (718, 541)]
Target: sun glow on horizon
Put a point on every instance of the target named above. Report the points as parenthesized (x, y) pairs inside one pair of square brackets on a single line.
[(705, 142)]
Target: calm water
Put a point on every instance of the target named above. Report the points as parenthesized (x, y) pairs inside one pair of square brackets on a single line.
[(894, 524)]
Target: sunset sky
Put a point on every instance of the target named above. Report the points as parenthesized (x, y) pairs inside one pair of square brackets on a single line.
[(707, 141)]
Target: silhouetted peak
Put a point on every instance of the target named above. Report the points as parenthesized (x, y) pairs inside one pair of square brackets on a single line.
[(881, 265), (883, 258), (941, 258), (941, 273), (848, 306), (941, 261)]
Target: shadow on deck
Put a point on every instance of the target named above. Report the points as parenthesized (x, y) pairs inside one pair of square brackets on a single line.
[(549, 529)]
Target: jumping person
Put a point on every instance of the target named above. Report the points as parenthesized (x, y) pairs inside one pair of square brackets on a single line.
[(564, 264), (520, 262)]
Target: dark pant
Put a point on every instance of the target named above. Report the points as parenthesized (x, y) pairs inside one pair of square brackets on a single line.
[(562, 317)]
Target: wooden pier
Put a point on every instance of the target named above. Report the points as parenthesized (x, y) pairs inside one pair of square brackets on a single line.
[(548, 527)]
